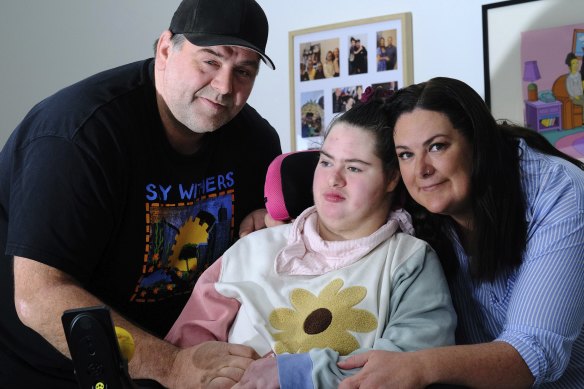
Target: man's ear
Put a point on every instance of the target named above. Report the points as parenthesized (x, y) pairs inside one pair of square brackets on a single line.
[(163, 48)]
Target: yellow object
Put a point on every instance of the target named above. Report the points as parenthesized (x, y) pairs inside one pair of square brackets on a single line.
[(547, 122), (126, 343), (322, 321)]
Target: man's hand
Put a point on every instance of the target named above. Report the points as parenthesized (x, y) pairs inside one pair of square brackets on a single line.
[(253, 222), (271, 222), (258, 219), (215, 365)]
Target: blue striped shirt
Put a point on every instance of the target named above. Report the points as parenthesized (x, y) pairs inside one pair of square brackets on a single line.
[(539, 308)]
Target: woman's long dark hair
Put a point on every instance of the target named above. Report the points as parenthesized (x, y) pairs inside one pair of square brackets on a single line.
[(497, 198)]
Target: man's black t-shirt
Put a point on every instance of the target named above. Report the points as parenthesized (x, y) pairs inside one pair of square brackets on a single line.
[(90, 185)]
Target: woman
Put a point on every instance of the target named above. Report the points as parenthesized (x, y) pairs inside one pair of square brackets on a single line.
[(505, 211), (382, 56), (311, 69), (329, 66), (341, 279)]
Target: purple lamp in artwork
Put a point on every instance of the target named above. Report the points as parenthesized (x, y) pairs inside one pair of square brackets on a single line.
[(531, 74)]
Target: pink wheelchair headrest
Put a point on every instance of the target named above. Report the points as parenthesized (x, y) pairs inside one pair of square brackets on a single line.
[(288, 187)]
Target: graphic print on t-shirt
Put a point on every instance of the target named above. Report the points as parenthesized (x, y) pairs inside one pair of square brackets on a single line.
[(182, 240)]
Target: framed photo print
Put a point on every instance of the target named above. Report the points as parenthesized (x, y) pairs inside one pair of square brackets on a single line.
[(332, 65), (578, 42)]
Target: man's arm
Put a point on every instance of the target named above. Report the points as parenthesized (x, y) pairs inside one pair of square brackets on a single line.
[(42, 293), (254, 221)]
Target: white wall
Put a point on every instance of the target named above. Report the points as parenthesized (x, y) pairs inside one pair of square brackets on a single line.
[(48, 44)]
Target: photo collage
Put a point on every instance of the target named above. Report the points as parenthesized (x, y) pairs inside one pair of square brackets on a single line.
[(334, 67)]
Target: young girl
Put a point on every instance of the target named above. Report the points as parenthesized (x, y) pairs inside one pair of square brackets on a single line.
[(345, 277)]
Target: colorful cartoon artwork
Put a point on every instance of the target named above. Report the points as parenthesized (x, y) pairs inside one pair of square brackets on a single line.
[(552, 67)]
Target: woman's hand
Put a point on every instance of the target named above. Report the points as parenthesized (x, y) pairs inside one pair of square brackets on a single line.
[(383, 369)]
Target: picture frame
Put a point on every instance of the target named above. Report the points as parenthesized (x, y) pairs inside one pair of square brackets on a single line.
[(331, 66), (525, 48), (578, 42)]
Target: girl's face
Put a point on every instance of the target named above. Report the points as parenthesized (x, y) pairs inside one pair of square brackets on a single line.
[(352, 193), (435, 163)]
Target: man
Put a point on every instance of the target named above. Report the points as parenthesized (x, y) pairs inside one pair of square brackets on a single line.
[(337, 100), (360, 62), (121, 189), (391, 52), (352, 49)]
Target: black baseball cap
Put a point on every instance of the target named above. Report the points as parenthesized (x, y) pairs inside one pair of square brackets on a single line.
[(223, 23)]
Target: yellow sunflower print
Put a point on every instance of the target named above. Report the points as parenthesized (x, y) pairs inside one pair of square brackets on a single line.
[(323, 321)]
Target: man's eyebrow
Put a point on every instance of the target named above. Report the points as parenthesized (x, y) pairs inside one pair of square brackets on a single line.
[(212, 52), (254, 64)]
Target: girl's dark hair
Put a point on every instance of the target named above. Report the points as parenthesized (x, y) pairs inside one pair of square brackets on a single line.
[(498, 201), (373, 116)]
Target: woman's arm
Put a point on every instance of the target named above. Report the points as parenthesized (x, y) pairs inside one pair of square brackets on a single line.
[(544, 316), (488, 365)]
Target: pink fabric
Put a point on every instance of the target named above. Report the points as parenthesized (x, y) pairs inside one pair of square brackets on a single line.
[(273, 193), (207, 315), (308, 254)]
